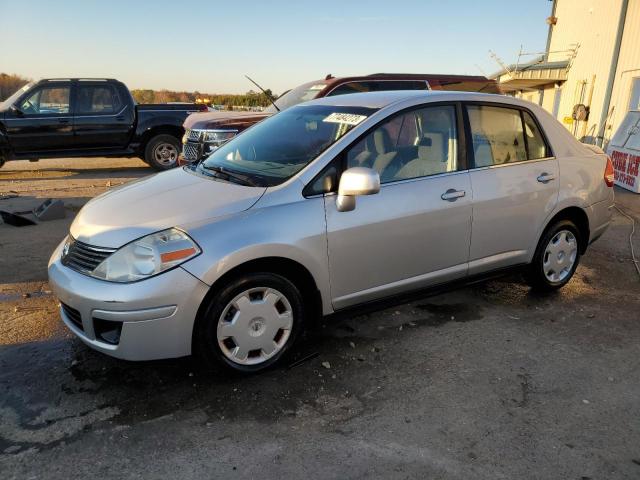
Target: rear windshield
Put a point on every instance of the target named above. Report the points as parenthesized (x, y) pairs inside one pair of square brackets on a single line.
[(275, 149)]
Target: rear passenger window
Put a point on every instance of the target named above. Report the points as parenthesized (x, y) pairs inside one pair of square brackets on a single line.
[(98, 99), (416, 144), (535, 143), (497, 135)]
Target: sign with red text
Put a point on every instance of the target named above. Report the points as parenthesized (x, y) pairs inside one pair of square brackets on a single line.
[(624, 150), (625, 166)]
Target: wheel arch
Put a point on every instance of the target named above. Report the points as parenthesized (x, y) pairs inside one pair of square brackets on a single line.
[(290, 269), (152, 132), (579, 217)]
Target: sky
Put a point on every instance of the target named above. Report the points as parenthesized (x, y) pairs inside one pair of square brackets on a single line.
[(210, 45)]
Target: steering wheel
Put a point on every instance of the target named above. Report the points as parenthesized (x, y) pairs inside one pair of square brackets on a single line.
[(28, 107)]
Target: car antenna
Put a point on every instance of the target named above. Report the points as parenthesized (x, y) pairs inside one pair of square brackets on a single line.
[(273, 102)]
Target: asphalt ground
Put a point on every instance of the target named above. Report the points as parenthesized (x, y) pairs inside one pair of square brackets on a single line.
[(490, 381)]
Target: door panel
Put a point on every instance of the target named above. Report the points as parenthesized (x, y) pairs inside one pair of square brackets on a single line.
[(403, 238), (510, 205), (103, 119), (45, 123)]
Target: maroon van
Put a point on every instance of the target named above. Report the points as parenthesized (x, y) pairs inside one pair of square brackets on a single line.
[(204, 132)]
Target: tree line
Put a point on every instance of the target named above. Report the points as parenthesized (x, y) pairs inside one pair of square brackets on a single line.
[(9, 83), (249, 99)]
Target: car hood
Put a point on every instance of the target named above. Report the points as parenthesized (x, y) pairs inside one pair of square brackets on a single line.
[(169, 199), (221, 119)]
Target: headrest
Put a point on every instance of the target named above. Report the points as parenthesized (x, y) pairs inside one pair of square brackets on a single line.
[(381, 141)]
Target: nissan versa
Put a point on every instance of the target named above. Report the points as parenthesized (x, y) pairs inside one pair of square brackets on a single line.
[(329, 204)]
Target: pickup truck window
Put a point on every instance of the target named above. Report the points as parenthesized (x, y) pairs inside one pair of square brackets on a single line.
[(279, 147), (46, 100), (98, 99)]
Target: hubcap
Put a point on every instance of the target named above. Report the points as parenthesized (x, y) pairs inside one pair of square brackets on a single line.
[(165, 154), (560, 256), (254, 326)]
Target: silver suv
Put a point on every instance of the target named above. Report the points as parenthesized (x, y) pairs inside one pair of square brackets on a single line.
[(327, 205)]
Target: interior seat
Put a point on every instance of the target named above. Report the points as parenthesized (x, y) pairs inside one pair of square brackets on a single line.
[(431, 158)]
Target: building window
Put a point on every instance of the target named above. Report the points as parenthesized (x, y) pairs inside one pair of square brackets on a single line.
[(634, 100)]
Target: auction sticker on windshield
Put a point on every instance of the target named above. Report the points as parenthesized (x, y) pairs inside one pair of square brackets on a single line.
[(346, 118)]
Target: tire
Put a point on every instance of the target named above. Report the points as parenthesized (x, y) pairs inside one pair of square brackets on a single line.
[(265, 308), (552, 268), (161, 152)]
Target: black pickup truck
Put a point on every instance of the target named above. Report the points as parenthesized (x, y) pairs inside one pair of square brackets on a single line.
[(80, 117)]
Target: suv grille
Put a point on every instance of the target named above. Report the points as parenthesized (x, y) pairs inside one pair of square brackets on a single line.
[(190, 152), (193, 135), (73, 315), (84, 258)]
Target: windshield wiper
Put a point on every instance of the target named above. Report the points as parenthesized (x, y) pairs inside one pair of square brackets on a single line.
[(243, 179)]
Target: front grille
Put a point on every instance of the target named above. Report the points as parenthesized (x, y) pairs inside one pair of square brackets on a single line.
[(193, 135), (73, 315), (84, 258), (190, 152)]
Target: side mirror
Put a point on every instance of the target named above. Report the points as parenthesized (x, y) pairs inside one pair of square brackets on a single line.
[(353, 182)]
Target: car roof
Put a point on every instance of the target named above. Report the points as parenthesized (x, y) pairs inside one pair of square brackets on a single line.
[(383, 99)]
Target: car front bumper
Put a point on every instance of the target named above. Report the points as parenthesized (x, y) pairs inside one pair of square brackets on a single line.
[(154, 317)]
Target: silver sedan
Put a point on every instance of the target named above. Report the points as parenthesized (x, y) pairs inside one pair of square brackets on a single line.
[(328, 205)]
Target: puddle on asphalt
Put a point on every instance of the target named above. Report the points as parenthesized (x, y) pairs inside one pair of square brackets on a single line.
[(445, 313)]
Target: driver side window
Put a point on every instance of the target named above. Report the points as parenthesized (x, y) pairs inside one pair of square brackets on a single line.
[(415, 144), (48, 100)]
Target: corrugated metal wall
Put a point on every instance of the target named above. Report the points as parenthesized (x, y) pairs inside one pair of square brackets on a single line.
[(593, 24), (628, 66)]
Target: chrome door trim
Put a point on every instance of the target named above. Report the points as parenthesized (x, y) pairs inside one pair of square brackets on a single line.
[(512, 163), (417, 179)]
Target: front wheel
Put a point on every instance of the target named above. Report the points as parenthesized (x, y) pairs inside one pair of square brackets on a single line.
[(556, 258), (161, 152), (251, 323)]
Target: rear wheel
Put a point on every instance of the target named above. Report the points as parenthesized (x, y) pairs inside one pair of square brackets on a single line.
[(251, 323), (162, 151), (556, 258)]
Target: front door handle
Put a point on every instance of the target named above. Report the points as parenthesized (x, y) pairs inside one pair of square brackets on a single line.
[(120, 118), (546, 177), (63, 120), (452, 195)]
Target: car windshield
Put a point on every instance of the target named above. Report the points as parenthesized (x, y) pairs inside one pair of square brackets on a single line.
[(11, 100), (303, 93), (275, 149)]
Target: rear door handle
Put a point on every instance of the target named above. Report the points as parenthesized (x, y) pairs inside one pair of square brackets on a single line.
[(63, 120), (546, 177), (452, 195)]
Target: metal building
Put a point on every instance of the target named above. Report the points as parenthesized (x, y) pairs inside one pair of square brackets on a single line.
[(589, 75)]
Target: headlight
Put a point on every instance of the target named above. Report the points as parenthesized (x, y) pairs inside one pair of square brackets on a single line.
[(147, 257), (218, 137)]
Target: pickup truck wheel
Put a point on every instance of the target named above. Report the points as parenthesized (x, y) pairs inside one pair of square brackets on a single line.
[(162, 151), (250, 324)]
